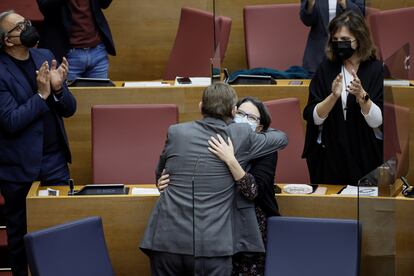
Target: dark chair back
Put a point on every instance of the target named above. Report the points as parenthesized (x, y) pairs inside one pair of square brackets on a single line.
[(74, 248), (312, 246)]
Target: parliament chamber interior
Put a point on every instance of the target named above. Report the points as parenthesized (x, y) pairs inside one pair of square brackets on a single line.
[(120, 128)]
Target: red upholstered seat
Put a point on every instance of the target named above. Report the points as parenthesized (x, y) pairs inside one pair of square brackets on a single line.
[(127, 141), (391, 29), (3, 237), (3, 249), (286, 116), (194, 44), (274, 36), (397, 136)]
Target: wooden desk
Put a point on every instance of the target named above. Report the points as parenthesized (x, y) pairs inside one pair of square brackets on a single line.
[(125, 217), (187, 99)]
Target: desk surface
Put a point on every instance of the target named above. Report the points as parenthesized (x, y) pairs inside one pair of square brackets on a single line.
[(125, 218)]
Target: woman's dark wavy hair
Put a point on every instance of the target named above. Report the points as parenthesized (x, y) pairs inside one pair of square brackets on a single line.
[(265, 118), (358, 27)]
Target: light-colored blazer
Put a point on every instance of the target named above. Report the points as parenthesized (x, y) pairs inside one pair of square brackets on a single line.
[(224, 223), (318, 20)]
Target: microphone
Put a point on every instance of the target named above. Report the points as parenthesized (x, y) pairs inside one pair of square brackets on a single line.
[(214, 25), (192, 188), (71, 186)]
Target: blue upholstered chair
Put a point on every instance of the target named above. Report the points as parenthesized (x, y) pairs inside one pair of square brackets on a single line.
[(312, 246), (74, 248)]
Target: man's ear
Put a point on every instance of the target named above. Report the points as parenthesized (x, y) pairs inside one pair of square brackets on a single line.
[(6, 42), (200, 106), (233, 112)]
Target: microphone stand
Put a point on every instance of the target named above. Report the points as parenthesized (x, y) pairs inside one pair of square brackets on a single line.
[(214, 25), (193, 195)]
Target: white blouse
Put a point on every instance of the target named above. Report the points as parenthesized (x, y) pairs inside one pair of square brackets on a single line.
[(332, 9), (373, 118)]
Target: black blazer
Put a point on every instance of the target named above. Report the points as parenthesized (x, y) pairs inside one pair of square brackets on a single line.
[(57, 23), (263, 171), (318, 22), (21, 123)]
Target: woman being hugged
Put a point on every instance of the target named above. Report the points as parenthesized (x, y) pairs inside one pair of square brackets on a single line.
[(344, 109)]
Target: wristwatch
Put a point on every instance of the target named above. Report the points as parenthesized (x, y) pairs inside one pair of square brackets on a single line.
[(364, 98)]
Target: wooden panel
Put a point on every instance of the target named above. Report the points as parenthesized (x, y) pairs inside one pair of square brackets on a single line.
[(125, 218)]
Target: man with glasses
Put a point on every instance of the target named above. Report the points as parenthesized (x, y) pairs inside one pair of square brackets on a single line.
[(78, 30), (33, 142)]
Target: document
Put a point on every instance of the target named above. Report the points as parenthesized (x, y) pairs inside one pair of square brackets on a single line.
[(145, 191), (363, 191), (145, 84), (49, 192), (397, 83)]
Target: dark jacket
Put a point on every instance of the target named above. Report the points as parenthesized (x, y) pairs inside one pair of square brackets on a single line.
[(318, 21), (349, 148), (21, 123), (263, 171), (57, 23)]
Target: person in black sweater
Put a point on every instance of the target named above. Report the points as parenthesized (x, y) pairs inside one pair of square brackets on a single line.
[(344, 110), (256, 185)]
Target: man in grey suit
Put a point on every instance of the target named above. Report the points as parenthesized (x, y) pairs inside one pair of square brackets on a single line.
[(200, 221)]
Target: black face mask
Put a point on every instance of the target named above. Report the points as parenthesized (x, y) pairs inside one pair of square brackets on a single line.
[(342, 49), (29, 37)]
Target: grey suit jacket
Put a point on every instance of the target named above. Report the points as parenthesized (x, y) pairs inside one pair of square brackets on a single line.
[(318, 20), (224, 224)]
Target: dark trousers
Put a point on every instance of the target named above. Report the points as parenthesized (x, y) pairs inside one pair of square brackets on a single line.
[(15, 214), (169, 264), (54, 171)]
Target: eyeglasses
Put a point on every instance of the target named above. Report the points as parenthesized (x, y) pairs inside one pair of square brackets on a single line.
[(252, 118), (20, 26)]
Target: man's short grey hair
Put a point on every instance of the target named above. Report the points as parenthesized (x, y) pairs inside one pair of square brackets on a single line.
[(3, 15), (3, 32)]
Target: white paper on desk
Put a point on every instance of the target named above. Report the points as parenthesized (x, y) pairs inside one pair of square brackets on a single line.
[(49, 192), (145, 191), (145, 84), (195, 81), (363, 191), (320, 191), (396, 83)]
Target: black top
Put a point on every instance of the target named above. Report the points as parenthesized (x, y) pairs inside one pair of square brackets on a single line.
[(349, 148), (51, 134), (263, 171)]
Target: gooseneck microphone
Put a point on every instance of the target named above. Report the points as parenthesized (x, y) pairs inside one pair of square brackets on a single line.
[(214, 26), (193, 195)]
